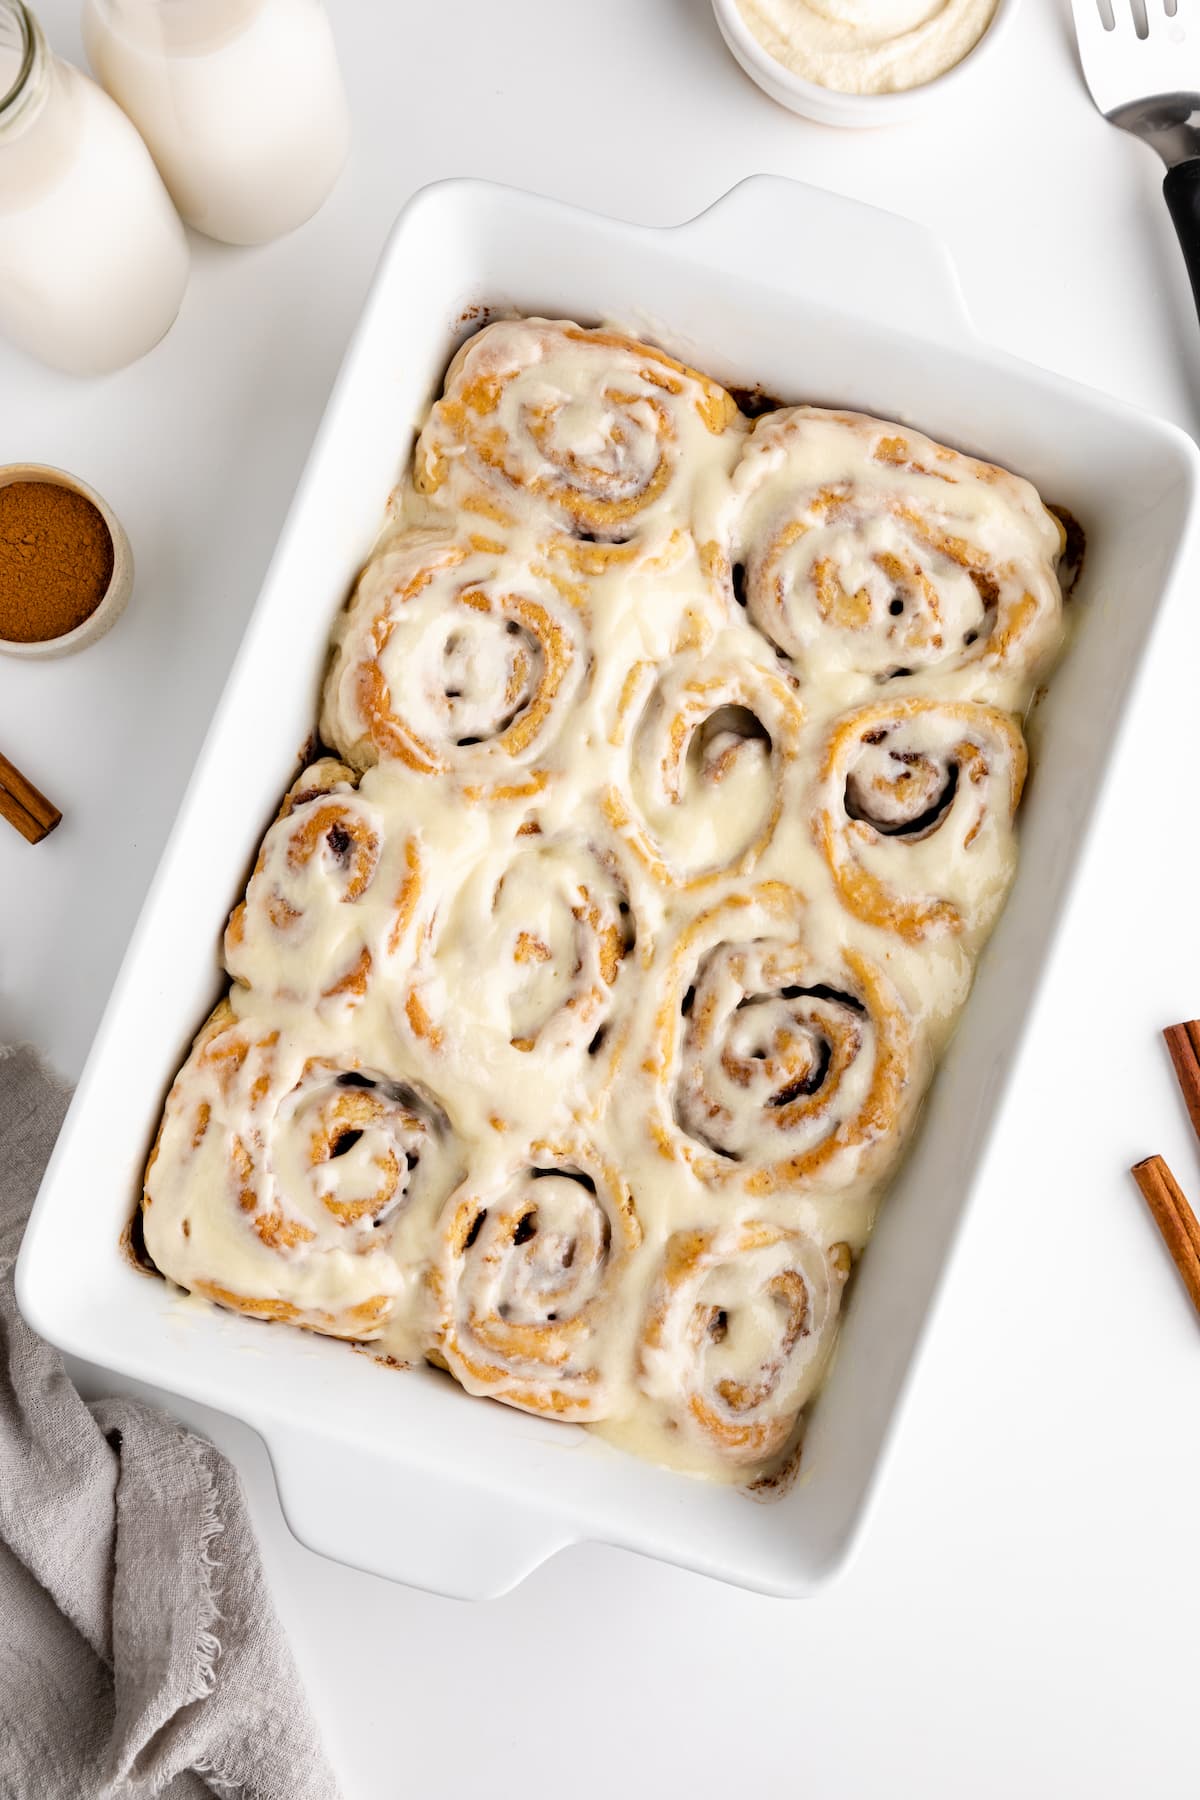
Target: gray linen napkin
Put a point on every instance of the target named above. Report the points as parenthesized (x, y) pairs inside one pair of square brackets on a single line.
[(139, 1651)]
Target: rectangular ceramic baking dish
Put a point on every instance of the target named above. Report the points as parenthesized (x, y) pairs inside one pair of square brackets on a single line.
[(815, 298)]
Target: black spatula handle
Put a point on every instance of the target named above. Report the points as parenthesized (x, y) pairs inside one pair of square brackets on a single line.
[(1181, 190)]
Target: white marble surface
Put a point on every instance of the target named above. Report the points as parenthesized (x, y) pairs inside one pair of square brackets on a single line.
[(1020, 1619)]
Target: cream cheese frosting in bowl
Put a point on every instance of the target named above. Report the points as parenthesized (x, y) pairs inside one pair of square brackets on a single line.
[(858, 62)]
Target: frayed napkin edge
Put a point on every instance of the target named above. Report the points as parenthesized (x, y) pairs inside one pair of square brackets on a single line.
[(62, 1087)]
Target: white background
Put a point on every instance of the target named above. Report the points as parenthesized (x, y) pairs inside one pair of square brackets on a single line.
[(1021, 1619)]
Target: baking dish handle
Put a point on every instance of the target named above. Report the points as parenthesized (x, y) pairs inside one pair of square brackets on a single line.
[(413, 1526), (835, 251)]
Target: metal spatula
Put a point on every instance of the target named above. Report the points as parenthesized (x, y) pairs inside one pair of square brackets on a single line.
[(1141, 61)]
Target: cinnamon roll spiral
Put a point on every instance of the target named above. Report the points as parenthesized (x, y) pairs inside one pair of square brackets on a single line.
[(915, 810), (869, 548), (739, 1330), (592, 426), (526, 1280), (710, 739), (454, 658), (278, 1178), (332, 895), (778, 1062), (530, 952)]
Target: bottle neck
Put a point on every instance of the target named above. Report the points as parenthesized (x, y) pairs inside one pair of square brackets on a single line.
[(24, 68)]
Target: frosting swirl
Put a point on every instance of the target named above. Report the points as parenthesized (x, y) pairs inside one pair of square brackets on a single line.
[(455, 658), (779, 1062), (869, 548), (738, 1332), (590, 425), (530, 954), (711, 737), (330, 899), (305, 1164), (915, 813), (524, 1280)]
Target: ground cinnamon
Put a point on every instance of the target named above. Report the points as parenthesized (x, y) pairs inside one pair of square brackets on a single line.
[(56, 560)]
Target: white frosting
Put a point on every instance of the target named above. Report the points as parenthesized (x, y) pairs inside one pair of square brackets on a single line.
[(582, 1012), (868, 46), (869, 549), (740, 1330), (915, 815)]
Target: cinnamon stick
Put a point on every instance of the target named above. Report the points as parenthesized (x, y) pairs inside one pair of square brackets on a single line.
[(24, 806), (1183, 1042), (1175, 1219), (15, 813)]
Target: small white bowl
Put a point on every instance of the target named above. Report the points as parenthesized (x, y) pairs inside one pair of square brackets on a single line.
[(828, 106), (120, 585)]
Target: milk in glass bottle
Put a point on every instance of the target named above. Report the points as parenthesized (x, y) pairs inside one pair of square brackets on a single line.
[(93, 259), (240, 101)]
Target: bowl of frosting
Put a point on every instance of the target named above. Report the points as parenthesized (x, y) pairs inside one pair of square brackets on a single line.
[(859, 62)]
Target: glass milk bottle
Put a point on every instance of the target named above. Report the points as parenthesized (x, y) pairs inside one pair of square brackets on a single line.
[(93, 259), (240, 101)]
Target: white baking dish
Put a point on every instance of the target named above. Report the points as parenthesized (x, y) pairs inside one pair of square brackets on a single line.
[(816, 298)]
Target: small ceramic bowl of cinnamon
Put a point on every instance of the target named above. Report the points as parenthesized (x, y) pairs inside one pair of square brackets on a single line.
[(66, 569)]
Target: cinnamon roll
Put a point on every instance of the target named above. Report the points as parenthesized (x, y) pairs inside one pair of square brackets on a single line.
[(279, 1178), (331, 898), (914, 816), (710, 739), (595, 428), (527, 1280), (868, 548), (778, 1061), (456, 658), (530, 953), (739, 1330)]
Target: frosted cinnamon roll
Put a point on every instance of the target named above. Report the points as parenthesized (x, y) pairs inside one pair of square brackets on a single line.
[(866, 547), (914, 816), (777, 1060), (739, 1330), (529, 953), (332, 896), (710, 738), (455, 658), (526, 1282), (602, 432), (278, 1178)]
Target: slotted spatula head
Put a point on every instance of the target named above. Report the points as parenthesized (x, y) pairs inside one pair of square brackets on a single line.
[(1141, 61)]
